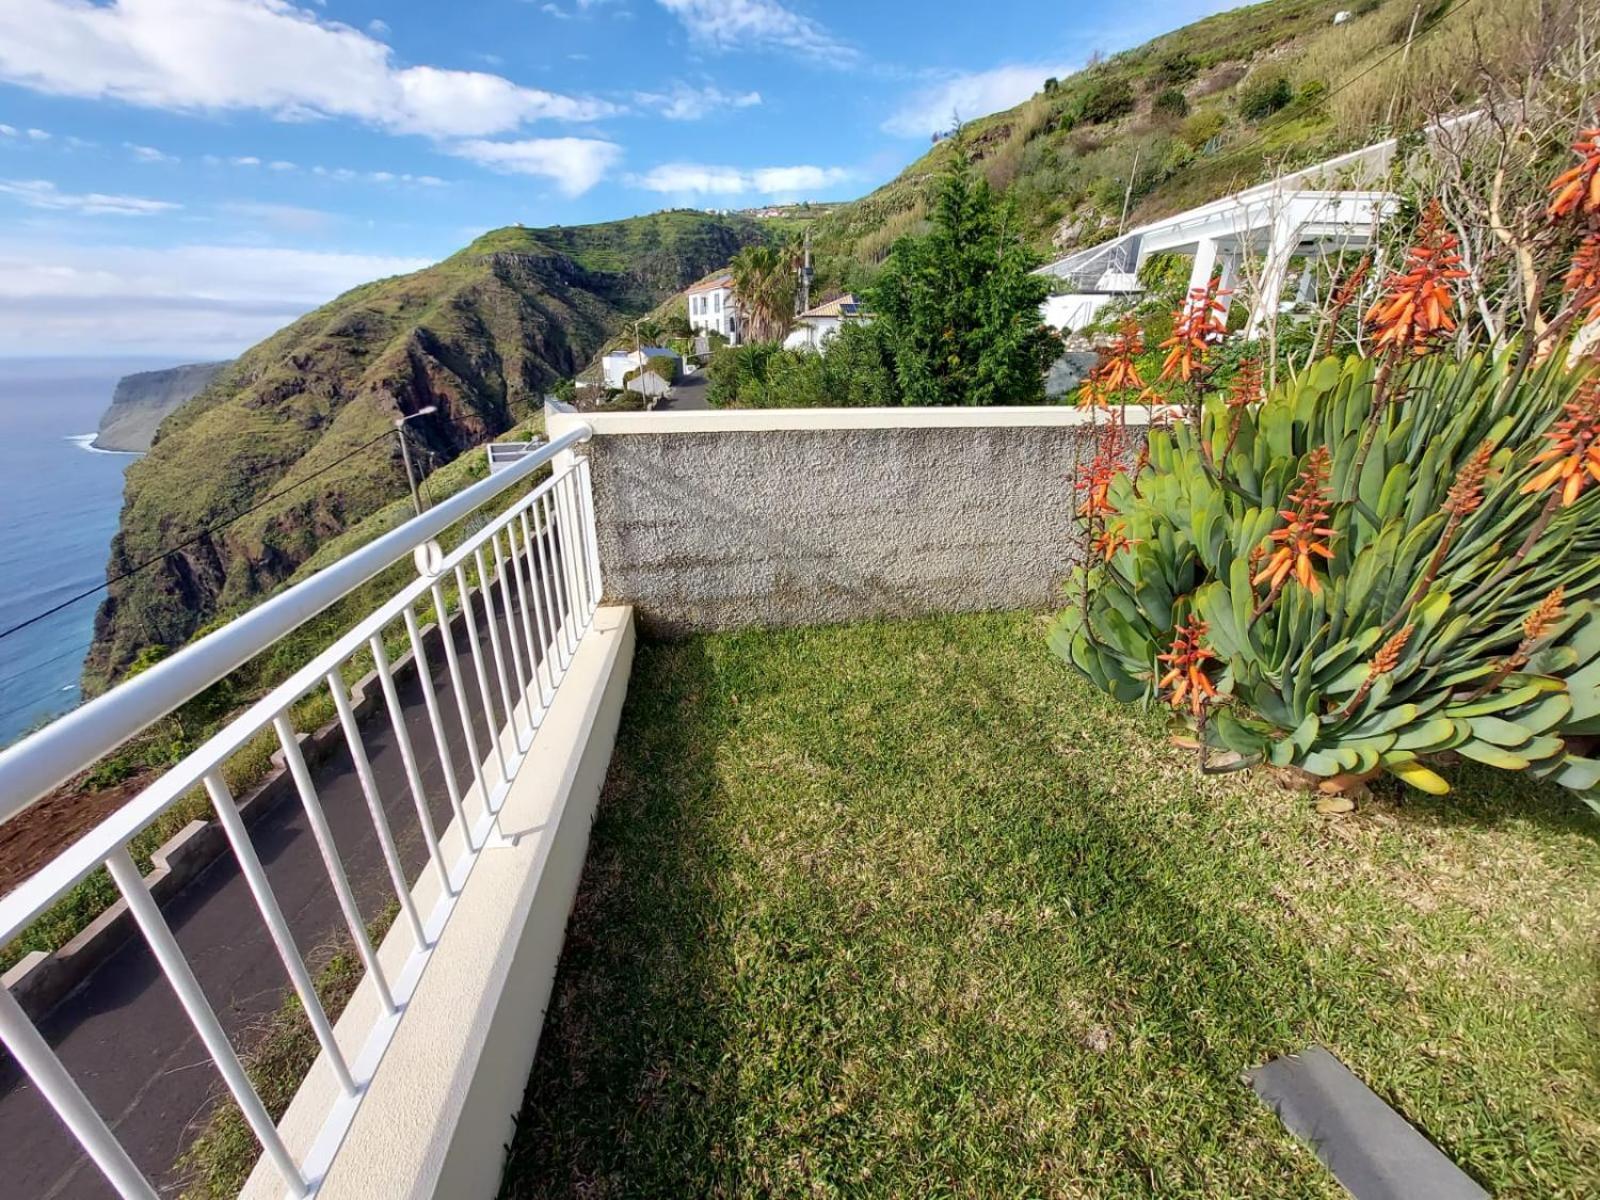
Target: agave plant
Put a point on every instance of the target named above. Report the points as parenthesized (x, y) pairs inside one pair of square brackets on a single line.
[(1363, 591)]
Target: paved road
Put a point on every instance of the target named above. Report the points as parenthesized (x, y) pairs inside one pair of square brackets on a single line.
[(123, 1035), (687, 395)]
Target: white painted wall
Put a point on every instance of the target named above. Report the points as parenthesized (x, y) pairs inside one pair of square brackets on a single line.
[(1071, 313)]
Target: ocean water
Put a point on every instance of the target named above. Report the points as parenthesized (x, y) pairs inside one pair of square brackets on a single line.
[(59, 502)]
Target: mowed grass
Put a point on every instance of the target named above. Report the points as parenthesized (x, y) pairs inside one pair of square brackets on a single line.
[(910, 910)]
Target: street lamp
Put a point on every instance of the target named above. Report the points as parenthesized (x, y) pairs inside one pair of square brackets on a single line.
[(405, 452)]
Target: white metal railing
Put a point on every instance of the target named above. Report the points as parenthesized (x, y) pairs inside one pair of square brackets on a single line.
[(530, 575)]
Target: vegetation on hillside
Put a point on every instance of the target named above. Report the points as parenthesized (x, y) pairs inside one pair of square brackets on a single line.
[(292, 434), (1262, 88)]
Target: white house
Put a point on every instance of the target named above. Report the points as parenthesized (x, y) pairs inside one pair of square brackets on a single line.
[(619, 364), (712, 308), (816, 325)]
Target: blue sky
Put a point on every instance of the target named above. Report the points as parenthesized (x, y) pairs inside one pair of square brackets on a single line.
[(182, 177)]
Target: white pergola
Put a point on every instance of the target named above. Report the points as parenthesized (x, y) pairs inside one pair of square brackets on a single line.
[(1256, 234)]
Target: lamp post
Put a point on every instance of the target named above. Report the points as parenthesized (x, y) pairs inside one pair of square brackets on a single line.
[(405, 452)]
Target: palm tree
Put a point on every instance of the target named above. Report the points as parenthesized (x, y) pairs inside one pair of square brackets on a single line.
[(764, 285)]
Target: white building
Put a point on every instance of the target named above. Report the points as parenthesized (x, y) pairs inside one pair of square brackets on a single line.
[(816, 325), (619, 364), (712, 308)]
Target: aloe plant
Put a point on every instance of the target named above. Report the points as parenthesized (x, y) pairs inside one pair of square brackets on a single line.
[(1373, 588)]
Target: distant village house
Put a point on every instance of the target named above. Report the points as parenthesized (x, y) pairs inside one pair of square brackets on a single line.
[(816, 325), (712, 308), (619, 364)]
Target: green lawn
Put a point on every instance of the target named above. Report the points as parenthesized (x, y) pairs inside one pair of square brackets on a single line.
[(909, 910)]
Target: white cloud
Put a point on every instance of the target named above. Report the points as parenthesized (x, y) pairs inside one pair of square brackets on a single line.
[(675, 179), (684, 103), (378, 28), (38, 135), (8, 131), (41, 193), (177, 300), (346, 175), (245, 160), (149, 154), (968, 96), (263, 55), (280, 164), (574, 164), (286, 218), (757, 24)]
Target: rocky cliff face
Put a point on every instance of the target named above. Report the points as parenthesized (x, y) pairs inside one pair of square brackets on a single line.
[(292, 443), (142, 401)]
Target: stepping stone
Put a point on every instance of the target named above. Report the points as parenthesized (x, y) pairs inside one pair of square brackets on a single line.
[(1371, 1149)]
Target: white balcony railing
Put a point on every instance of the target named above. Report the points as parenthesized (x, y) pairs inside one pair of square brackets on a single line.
[(529, 577)]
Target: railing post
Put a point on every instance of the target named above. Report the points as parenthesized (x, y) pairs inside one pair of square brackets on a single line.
[(61, 1091), (181, 976)]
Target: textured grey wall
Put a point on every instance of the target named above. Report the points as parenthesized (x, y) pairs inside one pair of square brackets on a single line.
[(792, 527)]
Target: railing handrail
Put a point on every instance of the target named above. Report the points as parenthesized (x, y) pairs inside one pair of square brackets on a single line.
[(50, 757)]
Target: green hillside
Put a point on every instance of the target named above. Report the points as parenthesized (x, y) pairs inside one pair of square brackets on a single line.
[(482, 335), (1199, 113)]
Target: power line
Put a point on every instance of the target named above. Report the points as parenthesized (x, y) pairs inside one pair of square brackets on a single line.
[(191, 540)]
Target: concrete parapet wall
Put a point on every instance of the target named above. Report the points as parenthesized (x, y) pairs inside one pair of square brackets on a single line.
[(808, 516)]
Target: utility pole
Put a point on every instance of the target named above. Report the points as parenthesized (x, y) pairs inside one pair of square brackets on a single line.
[(405, 453), (1127, 195), (1416, 14), (806, 274)]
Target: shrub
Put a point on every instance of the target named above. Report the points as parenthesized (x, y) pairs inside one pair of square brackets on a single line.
[(1171, 103), (1311, 603), (1261, 96), (1106, 100), (1201, 127), (1175, 68), (855, 371)]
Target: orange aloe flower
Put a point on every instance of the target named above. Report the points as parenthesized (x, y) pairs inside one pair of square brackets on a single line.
[(1576, 191), (1417, 304), (1186, 677), (1466, 493), (1196, 327), (1583, 275), (1573, 456), (1112, 538), (1117, 371), (1545, 614), (1245, 387), (1301, 539)]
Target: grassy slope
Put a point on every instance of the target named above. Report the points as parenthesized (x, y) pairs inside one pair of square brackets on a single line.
[(481, 334), (1068, 176), (910, 910)]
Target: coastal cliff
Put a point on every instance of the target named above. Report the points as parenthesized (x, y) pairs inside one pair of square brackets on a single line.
[(286, 446), (142, 401)]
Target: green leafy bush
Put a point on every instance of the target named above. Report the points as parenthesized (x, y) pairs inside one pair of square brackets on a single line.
[(1174, 68), (1170, 103), (1442, 601), (855, 371), (1105, 100), (1261, 96)]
